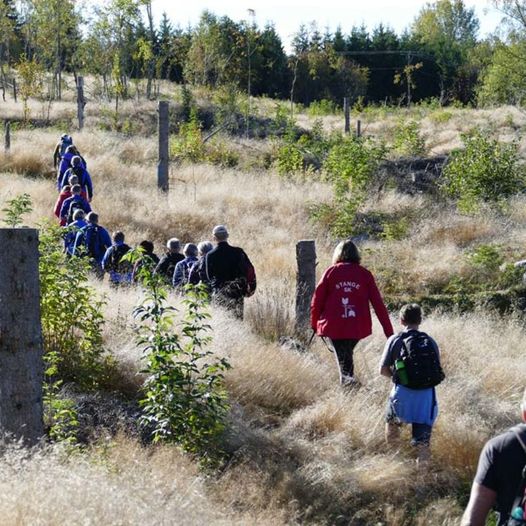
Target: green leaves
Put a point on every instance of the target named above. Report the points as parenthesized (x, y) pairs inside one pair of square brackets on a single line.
[(184, 398), (16, 208), (485, 171)]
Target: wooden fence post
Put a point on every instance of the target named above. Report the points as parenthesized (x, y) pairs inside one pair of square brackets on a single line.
[(358, 128), (7, 136), (347, 112), (21, 364), (14, 88), (305, 283), (81, 101), (164, 138)]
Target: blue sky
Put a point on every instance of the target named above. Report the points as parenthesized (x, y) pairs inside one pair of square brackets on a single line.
[(287, 15)]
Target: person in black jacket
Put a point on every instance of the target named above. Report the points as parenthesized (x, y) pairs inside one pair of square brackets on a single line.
[(166, 266), (229, 272)]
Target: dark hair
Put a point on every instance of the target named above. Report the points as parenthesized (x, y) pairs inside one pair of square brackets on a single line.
[(118, 236), (147, 246), (411, 314), (346, 252)]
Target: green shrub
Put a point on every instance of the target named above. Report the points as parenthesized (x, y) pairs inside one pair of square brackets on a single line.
[(350, 165), (485, 171), (219, 154), (289, 159), (188, 144), (16, 208), (441, 116), (320, 108), (407, 140), (184, 396)]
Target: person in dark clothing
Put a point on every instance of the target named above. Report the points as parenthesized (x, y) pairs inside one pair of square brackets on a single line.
[(75, 202), (60, 148), (166, 266), (183, 268), (197, 271), (499, 482), (230, 273), (149, 259), (119, 271)]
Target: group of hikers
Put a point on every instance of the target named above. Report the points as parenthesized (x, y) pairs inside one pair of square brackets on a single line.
[(340, 312), (225, 270)]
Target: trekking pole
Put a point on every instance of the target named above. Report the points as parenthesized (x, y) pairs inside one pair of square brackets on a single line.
[(326, 344), (311, 338)]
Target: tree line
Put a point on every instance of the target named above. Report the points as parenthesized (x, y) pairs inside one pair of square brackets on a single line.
[(439, 55)]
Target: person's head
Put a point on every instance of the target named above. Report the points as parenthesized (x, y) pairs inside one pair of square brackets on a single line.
[(220, 233), (78, 215), (204, 247), (147, 246), (190, 250), (173, 245), (71, 149), (73, 179), (411, 315), (76, 189), (66, 188), (118, 237), (346, 252), (92, 218), (65, 138), (76, 161)]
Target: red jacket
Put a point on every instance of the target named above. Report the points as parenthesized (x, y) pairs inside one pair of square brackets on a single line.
[(340, 305), (58, 205)]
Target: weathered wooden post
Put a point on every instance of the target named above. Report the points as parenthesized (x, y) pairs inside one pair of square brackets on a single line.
[(347, 112), (81, 101), (164, 137), (21, 364), (305, 283), (14, 88), (358, 128), (7, 136)]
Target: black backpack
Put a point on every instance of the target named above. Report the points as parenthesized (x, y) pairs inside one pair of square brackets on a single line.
[(73, 207), (114, 261), (420, 360)]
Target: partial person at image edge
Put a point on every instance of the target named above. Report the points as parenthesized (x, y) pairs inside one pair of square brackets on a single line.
[(500, 481)]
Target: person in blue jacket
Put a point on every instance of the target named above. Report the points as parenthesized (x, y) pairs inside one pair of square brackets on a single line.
[(66, 163), (182, 269), (72, 229), (78, 170), (75, 202), (92, 241)]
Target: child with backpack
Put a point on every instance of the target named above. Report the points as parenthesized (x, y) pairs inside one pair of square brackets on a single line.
[(119, 271), (412, 360), (71, 204)]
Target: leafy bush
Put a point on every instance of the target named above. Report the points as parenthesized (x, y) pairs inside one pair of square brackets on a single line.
[(71, 316), (322, 107), (484, 171), (407, 140), (349, 165), (184, 397), (441, 116), (16, 208), (188, 144)]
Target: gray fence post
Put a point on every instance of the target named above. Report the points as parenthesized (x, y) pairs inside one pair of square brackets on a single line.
[(81, 102), (164, 137), (7, 136), (347, 112), (21, 364), (14, 88), (305, 283), (358, 128)]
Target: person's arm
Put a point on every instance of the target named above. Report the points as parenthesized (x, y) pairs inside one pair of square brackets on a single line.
[(387, 361), (178, 274), (105, 259), (89, 185), (318, 299), (64, 209), (379, 307), (58, 206), (480, 503)]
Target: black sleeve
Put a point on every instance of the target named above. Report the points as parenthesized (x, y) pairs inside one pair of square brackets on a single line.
[(487, 475)]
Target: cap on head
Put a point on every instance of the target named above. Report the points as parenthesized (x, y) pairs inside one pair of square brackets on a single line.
[(220, 232)]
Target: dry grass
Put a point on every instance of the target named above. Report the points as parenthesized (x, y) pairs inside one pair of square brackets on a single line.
[(302, 450)]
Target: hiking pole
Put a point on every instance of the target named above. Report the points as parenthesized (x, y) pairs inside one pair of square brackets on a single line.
[(311, 338)]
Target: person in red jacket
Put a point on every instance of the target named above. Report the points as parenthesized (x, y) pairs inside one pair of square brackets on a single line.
[(64, 194), (340, 307)]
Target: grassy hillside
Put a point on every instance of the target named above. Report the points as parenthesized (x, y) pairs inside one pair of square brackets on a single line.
[(300, 449)]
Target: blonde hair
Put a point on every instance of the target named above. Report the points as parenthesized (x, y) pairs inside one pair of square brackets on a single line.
[(346, 252)]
